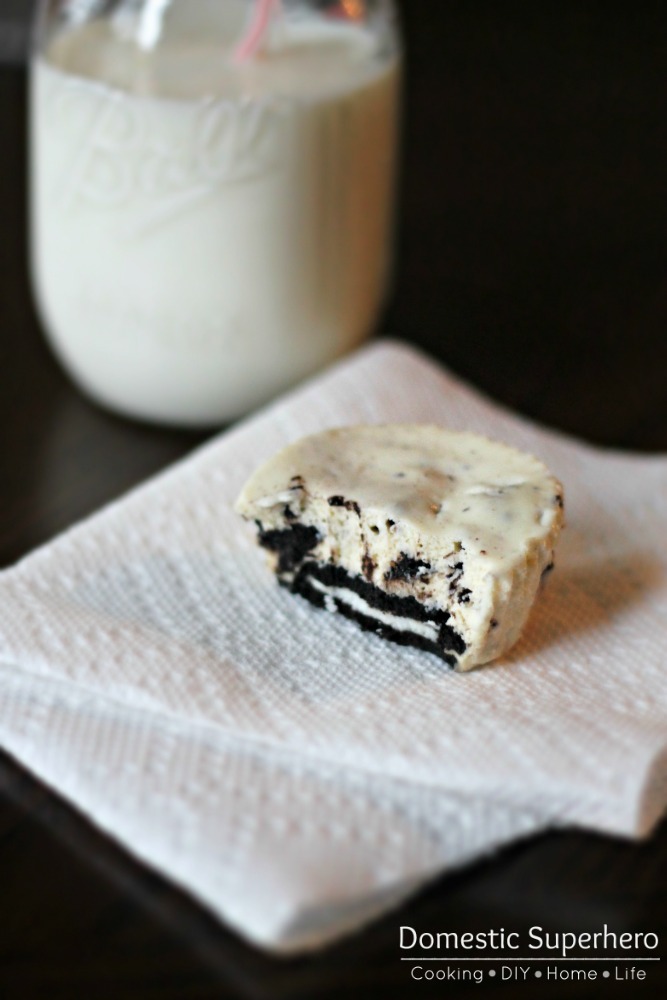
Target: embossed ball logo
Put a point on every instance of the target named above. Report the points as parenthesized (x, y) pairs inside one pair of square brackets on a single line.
[(146, 153)]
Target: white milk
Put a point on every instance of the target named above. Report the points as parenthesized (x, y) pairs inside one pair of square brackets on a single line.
[(194, 255)]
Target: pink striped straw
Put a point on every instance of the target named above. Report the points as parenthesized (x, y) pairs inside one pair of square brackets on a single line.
[(253, 38)]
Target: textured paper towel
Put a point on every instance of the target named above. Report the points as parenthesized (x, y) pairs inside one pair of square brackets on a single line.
[(295, 774)]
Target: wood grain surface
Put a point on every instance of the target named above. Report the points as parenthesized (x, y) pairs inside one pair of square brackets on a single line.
[(533, 261)]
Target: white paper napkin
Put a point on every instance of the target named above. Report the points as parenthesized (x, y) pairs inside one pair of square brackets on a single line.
[(297, 775)]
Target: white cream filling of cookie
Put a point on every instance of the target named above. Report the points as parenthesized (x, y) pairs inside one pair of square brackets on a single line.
[(428, 630)]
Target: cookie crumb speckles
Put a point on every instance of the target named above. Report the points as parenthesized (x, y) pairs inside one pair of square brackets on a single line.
[(368, 566), (457, 529), (338, 501), (406, 567), (290, 545), (546, 572)]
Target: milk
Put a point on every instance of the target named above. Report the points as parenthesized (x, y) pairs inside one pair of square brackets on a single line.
[(206, 233)]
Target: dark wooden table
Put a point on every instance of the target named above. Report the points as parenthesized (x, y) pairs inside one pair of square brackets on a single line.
[(533, 261)]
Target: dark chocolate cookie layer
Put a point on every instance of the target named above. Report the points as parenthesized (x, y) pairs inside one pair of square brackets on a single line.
[(448, 644)]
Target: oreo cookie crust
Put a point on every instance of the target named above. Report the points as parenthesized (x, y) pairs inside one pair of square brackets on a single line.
[(431, 538)]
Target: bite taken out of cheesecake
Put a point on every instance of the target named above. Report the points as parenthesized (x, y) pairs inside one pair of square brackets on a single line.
[(428, 537)]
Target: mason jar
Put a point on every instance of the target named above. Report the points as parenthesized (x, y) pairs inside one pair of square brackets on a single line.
[(212, 194)]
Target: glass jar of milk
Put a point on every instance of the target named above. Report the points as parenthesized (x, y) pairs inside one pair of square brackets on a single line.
[(210, 223)]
